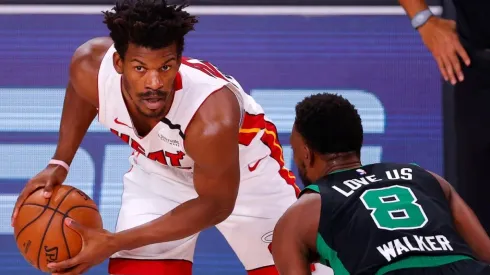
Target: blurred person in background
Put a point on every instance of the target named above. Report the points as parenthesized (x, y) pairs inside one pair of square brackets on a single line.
[(462, 52)]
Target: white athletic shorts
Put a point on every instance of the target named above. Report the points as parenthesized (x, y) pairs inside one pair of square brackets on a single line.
[(262, 199)]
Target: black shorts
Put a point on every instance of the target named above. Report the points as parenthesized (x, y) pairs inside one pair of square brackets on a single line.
[(463, 267)]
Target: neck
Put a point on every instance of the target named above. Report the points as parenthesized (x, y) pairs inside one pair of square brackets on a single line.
[(341, 162), (343, 167)]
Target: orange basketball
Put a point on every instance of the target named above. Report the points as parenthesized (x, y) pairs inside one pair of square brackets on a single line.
[(40, 232)]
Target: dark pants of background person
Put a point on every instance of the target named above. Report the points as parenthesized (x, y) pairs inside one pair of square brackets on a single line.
[(472, 126)]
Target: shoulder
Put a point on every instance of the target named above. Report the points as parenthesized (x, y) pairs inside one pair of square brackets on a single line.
[(445, 185), (215, 124), (84, 66), (201, 74), (304, 213), (219, 110)]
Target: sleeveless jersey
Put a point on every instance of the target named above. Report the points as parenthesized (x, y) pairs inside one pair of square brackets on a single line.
[(384, 217), (162, 150)]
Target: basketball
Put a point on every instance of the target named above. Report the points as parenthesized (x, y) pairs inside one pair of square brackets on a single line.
[(39, 229)]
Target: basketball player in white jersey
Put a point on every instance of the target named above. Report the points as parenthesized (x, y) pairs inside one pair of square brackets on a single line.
[(204, 153)]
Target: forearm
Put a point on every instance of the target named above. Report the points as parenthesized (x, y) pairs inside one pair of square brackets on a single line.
[(185, 220), (412, 7), (76, 117)]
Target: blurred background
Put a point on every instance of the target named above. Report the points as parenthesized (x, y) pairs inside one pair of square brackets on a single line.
[(279, 50)]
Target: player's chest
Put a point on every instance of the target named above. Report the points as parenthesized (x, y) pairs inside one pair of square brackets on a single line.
[(164, 144)]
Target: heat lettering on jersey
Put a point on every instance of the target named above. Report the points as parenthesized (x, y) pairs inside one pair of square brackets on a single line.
[(127, 139), (348, 187), (400, 246), (158, 156)]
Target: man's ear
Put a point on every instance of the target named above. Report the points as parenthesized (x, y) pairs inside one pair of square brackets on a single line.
[(118, 63), (309, 156)]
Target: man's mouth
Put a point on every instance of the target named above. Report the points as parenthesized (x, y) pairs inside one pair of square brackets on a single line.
[(154, 103)]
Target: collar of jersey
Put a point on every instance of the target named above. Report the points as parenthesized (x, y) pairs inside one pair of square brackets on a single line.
[(342, 170)]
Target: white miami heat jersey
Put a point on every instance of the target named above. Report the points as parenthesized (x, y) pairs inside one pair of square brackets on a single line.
[(162, 150)]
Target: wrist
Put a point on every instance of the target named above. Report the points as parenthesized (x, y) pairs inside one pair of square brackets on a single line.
[(61, 163), (421, 18), (428, 25), (64, 155), (114, 242)]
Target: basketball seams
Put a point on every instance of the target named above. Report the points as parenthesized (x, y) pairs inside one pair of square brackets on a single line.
[(69, 209), (49, 223), (63, 223), (40, 219), (35, 219), (63, 234), (65, 215)]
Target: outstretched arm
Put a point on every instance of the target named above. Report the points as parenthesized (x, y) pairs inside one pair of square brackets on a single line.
[(294, 241), (440, 37)]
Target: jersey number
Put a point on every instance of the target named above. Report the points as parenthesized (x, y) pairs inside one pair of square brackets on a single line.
[(394, 208)]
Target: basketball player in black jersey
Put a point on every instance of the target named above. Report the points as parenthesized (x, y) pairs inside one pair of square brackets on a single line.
[(377, 219)]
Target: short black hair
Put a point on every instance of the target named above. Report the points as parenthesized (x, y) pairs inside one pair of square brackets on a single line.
[(152, 24), (329, 123)]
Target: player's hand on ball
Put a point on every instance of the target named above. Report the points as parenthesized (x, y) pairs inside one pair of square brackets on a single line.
[(439, 35), (48, 178), (95, 249)]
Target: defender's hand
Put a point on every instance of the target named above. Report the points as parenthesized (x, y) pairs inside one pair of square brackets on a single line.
[(440, 37), (48, 178)]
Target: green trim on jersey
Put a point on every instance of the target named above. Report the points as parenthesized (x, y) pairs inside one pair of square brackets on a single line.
[(421, 261), (311, 187), (330, 255)]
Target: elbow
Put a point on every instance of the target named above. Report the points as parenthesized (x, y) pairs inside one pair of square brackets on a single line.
[(221, 211), (222, 215)]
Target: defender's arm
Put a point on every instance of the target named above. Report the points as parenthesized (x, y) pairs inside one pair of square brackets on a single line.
[(294, 239), (466, 222)]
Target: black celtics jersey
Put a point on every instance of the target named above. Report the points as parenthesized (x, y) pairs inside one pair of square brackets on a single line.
[(384, 217)]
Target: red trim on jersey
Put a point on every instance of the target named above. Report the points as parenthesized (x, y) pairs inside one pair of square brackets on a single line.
[(178, 82), (204, 67), (266, 270), (121, 266), (252, 124)]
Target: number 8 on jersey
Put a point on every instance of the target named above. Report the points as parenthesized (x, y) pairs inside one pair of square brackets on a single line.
[(394, 208)]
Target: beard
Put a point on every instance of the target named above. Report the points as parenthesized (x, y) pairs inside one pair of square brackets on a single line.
[(303, 176), (158, 113), (150, 113)]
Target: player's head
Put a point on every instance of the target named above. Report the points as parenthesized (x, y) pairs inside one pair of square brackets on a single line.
[(149, 39), (327, 130)]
